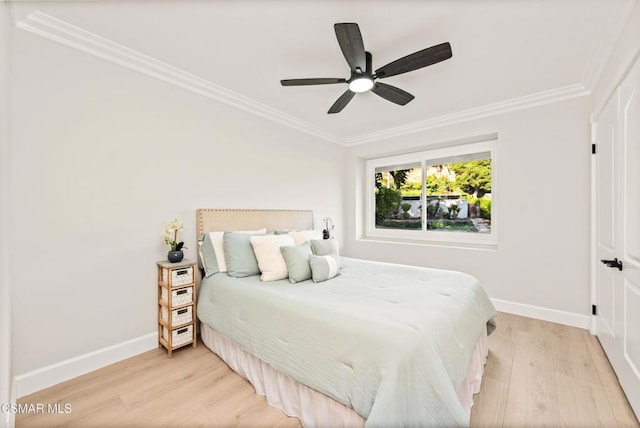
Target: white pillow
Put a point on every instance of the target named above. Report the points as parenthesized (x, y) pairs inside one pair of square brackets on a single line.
[(270, 259), (216, 239), (302, 236)]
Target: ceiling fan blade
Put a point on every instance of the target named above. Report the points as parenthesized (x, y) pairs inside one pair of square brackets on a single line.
[(303, 82), (350, 41), (341, 102), (391, 93), (416, 60)]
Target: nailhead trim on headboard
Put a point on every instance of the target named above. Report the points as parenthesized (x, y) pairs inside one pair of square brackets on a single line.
[(221, 219)]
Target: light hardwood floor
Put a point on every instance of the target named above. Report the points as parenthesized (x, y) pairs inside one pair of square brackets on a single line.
[(537, 374)]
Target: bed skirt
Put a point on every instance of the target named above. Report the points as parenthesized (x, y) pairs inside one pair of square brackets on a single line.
[(316, 410)]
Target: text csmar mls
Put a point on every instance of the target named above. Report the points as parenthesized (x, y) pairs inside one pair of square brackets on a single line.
[(31, 408)]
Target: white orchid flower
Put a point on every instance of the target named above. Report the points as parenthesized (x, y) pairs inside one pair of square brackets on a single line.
[(176, 225), (170, 234)]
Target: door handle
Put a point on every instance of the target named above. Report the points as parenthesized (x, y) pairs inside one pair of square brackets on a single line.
[(615, 263)]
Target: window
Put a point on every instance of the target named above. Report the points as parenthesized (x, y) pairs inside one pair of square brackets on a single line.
[(444, 195)]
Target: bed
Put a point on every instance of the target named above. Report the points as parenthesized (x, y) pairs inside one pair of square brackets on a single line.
[(377, 345)]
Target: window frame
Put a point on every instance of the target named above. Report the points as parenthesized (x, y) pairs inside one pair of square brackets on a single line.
[(480, 240)]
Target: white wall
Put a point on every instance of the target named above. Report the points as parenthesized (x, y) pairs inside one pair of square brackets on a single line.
[(5, 242), (542, 207), (103, 157)]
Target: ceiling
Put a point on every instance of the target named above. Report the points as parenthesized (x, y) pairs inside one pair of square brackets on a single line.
[(505, 53)]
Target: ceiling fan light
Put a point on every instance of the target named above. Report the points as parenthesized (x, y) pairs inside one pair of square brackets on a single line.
[(361, 84)]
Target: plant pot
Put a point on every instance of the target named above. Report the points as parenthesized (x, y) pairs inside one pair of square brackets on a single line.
[(175, 256)]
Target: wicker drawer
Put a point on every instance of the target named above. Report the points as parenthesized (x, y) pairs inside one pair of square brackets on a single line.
[(180, 276), (179, 297), (179, 336), (178, 316)]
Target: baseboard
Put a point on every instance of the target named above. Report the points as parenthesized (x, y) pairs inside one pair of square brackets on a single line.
[(545, 314), (45, 377)]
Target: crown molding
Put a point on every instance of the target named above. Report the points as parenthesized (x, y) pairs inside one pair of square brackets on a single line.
[(62, 32), (520, 103)]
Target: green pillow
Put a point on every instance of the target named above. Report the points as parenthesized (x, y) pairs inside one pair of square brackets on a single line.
[(297, 259), (324, 247), (239, 255), (209, 259), (324, 267)]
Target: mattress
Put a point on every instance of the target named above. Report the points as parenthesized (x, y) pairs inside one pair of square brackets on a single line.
[(394, 343)]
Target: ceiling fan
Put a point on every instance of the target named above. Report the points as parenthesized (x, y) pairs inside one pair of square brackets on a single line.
[(362, 77)]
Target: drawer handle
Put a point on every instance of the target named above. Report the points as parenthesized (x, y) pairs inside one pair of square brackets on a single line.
[(182, 292), (182, 311), (182, 272), (183, 330)]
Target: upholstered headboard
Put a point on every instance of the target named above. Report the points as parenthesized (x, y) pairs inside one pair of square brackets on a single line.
[(216, 220)]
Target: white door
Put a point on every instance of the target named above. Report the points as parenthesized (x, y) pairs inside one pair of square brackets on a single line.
[(617, 189)]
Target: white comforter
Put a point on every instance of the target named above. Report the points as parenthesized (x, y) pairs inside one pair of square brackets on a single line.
[(392, 342)]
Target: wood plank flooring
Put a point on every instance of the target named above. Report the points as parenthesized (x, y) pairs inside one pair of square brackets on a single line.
[(538, 374), (541, 374)]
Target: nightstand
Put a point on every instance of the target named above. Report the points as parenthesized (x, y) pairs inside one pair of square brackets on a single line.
[(176, 304)]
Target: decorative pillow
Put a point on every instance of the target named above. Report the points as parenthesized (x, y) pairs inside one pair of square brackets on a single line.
[(297, 260), (213, 259), (208, 253), (301, 236), (238, 252), (324, 247), (324, 267), (283, 231), (200, 255), (267, 251)]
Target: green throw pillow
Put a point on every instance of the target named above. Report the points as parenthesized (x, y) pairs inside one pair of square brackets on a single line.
[(297, 260), (238, 252), (324, 267)]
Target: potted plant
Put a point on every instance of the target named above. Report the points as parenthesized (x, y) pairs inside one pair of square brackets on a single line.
[(328, 227), (170, 236), (406, 207), (454, 209)]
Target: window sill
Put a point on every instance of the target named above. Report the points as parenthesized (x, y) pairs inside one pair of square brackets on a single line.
[(481, 246)]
